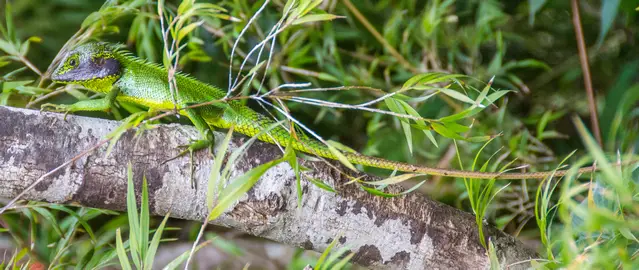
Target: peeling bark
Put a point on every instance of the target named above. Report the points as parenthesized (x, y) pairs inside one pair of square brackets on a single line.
[(409, 232)]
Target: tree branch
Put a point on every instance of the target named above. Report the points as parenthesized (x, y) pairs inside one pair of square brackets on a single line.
[(410, 232), (585, 68)]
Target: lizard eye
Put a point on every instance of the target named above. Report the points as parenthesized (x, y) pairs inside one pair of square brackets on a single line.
[(73, 62)]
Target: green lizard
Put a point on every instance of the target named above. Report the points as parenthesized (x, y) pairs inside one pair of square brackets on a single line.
[(104, 68)]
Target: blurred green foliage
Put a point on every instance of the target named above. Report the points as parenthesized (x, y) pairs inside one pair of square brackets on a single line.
[(527, 47)]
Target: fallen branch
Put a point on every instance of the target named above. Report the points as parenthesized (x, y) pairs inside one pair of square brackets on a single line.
[(410, 232)]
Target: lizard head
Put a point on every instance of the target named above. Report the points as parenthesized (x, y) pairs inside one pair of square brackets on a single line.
[(87, 65)]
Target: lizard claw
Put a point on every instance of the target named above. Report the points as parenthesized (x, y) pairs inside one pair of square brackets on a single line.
[(56, 108), (195, 145), (190, 149)]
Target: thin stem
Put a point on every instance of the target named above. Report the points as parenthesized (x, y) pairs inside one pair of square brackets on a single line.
[(30, 65), (46, 96), (237, 41), (583, 59)]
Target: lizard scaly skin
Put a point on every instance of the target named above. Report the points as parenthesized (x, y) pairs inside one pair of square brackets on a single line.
[(102, 67)]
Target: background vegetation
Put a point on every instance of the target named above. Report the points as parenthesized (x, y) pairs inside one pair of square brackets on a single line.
[(527, 47)]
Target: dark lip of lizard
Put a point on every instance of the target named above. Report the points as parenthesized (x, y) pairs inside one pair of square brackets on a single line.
[(60, 78)]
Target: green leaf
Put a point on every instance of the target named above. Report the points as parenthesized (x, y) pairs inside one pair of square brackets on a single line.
[(316, 18), (155, 242), (341, 147), (491, 98), (131, 121), (322, 258), (50, 218), (239, 187), (429, 78), (134, 223), (457, 128), (327, 77), (321, 184), (395, 106), (412, 112), (609, 9), (484, 93), (8, 47), (184, 6), (216, 176), (6, 86), (311, 6), (390, 195), (394, 179), (342, 263), (144, 221), (535, 6), (493, 258), (9, 20), (124, 259), (291, 158), (180, 259), (341, 157), (526, 63), (80, 219), (188, 29), (542, 123), (478, 139), (85, 260), (336, 255), (31, 90), (444, 131), (237, 153), (457, 95), (611, 175), (628, 234), (461, 115)]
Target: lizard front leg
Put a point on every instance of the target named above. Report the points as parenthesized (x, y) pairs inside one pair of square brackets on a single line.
[(102, 104)]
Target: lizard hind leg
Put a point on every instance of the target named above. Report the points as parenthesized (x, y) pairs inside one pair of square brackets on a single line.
[(206, 140)]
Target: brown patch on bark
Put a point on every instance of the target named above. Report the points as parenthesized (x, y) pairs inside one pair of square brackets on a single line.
[(368, 255), (399, 258), (256, 213), (341, 208), (308, 245)]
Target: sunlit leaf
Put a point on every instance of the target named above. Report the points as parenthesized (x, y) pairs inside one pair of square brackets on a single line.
[(390, 195), (188, 29), (341, 157), (393, 180), (122, 256), (444, 131), (316, 18)]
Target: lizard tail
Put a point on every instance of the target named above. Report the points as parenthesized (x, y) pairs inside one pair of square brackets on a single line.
[(252, 126), (315, 147)]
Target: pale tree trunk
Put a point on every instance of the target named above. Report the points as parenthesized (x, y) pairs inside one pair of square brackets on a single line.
[(408, 232)]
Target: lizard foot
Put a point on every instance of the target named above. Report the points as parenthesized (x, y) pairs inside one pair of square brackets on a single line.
[(195, 145), (57, 108)]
